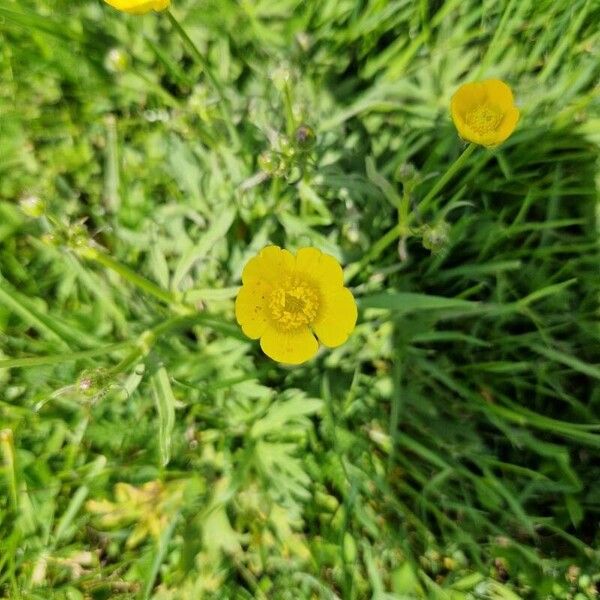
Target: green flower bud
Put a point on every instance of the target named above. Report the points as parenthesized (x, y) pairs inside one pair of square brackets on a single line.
[(270, 163), (51, 239), (286, 148), (436, 238), (92, 382), (77, 236), (304, 138), (407, 172)]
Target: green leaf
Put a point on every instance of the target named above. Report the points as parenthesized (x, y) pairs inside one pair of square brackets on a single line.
[(405, 302), (165, 406)]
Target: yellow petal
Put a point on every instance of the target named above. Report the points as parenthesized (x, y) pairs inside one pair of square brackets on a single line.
[(291, 348), (464, 131), (270, 265), (499, 94), (139, 7), (250, 308), (492, 95), (491, 138), (337, 317), (319, 267), (466, 97), (508, 124)]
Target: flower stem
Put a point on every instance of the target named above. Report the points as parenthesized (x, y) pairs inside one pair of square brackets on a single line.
[(57, 359), (404, 214), (376, 249), (92, 253), (405, 217), (7, 451), (224, 102), (146, 340), (444, 179), (289, 109)]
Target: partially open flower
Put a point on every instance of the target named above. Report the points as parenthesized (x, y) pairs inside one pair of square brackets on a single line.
[(286, 299), (139, 7), (484, 112)]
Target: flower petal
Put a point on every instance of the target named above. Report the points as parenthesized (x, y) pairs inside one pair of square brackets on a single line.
[(250, 308), (321, 268), (139, 7), (497, 97), (508, 124), (466, 97), (337, 317), (499, 94), (287, 347), (270, 265)]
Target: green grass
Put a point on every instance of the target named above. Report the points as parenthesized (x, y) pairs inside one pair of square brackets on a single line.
[(449, 450)]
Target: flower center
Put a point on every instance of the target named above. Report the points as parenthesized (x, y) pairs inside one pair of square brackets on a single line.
[(293, 304), (484, 118)]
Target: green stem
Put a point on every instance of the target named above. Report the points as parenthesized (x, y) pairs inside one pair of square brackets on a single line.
[(142, 283), (446, 177), (224, 103), (405, 218), (289, 109), (36, 361), (374, 253), (144, 343), (147, 339), (7, 451), (403, 214)]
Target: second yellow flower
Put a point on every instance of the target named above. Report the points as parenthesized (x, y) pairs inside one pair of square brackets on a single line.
[(139, 7), (484, 112), (286, 299)]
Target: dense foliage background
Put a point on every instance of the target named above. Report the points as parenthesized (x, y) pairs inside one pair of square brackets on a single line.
[(148, 450)]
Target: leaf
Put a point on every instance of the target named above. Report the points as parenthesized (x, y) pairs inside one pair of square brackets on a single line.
[(165, 405), (405, 581), (408, 302), (217, 533), (158, 265), (281, 413), (568, 360), (285, 471), (216, 232)]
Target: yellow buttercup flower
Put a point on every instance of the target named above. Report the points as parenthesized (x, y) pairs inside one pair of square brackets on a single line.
[(484, 112), (286, 299), (139, 7)]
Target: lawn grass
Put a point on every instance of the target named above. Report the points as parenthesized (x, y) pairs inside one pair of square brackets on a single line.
[(449, 450)]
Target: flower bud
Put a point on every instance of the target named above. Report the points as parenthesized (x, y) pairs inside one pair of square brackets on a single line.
[(270, 163), (286, 148), (92, 382), (407, 171), (304, 138), (436, 238)]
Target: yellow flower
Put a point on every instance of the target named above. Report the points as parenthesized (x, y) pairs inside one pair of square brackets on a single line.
[(484, 112), (285, 298), (139, 7)]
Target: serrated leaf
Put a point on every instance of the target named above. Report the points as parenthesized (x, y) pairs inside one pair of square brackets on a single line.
[(281, 413)]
